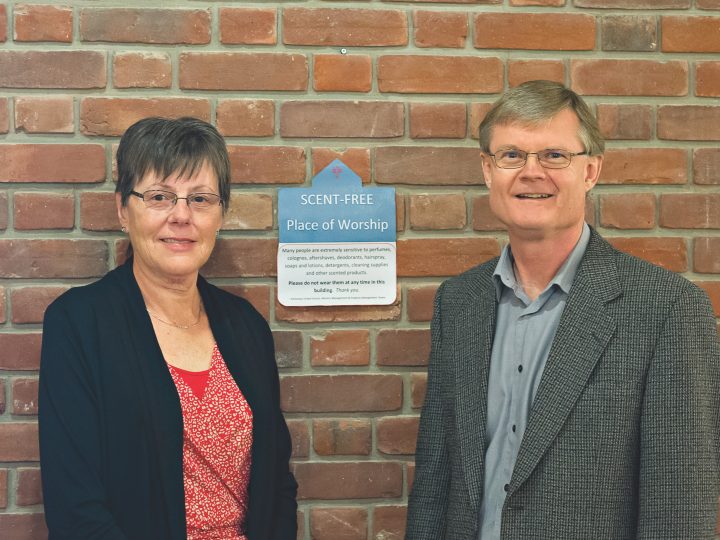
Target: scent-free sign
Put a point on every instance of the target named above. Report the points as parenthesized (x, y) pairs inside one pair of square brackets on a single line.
[(337, 242)]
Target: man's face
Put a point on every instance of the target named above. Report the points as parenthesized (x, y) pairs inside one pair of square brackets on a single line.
[(534, 201)]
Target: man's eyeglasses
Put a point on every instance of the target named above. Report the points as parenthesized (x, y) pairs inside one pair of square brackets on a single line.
[(512, 158), (158, 199)]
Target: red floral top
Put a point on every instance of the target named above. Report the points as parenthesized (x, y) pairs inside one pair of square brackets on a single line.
[(217, 442)]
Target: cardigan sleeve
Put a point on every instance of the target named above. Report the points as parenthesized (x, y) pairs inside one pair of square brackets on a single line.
[(69, 426)]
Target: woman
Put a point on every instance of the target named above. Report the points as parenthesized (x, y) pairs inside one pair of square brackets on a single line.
[(159, 400)]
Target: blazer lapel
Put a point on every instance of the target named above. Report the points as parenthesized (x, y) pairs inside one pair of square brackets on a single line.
[(474, 327), (584, 331)]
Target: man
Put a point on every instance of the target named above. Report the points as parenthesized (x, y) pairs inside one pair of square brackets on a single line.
[(573, 391)]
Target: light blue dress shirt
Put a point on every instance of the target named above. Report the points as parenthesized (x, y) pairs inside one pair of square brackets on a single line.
[(524, 333)]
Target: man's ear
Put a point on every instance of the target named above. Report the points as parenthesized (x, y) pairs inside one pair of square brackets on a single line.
[(121, 211), (487, 169), (592, 171)]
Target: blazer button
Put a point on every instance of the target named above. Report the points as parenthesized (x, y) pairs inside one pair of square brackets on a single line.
[(506, 487)]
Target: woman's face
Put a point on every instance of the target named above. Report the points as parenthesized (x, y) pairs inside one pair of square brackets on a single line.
[(172, 244)]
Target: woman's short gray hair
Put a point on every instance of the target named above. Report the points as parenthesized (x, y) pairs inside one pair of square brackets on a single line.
[(535, 102)]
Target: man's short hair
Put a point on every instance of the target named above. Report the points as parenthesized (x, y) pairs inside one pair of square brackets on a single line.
[(171, 146), (535, 102)]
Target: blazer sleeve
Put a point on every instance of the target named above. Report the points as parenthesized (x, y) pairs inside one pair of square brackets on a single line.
[(69, 426), (680, 426), (427, 504)]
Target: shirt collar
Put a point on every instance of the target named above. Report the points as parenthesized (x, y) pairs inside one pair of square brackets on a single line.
[(504, 275)]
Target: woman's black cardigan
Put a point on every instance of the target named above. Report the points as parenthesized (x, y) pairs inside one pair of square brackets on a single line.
[(111, 431)]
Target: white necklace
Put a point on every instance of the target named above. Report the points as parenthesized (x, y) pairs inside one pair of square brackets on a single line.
[(170, 323)]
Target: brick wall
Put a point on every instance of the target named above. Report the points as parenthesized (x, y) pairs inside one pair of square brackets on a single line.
[(396, 90)]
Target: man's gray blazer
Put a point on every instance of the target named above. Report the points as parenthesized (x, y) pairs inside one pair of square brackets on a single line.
[(623, 439)]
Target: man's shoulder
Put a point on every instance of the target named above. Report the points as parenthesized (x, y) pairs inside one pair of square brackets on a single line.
[(476, 280)]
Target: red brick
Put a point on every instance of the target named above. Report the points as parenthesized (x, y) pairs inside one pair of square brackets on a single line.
[(44, 115), (349, 523), (300, 535), (400, 212), (56, 258), (409, 347), (341, 348), (43, 23), (606, 77), (410, 475), (3, 211), (257, 295), (708, 4), (628, 211), (397, 435), (438, 120), (341, 393), (3, 23), (34, 211), (267, 164), (112, 116), (24, 392), (288, 348), (706, 255), (688, 122), (632, 122), (483, 217), (357, 159), (707, 79), (520, 71), (243, 71), (341, 119), (242, 257), (690, 210), (52, 163), (142, 70), (342, 437), (344, 26), (389, 521), (644, 166), (249, 212), (4, 116), (3, 486), (427, 257), (477, 115), (629, 33), (418, 386), (29, 303), (300, 438), (544, 31), (439, 74), (428, 165), (18, 442), (690, 34), (23, 527), (29, 490), (52, 69), (246, 117), (437, 212), (21, 352), (440, 29), (484, 2), (98, 211), (420, 303), (633, 4), (342, 73), (157, 26), (706, 166), (318, 314), (712, 288), (670, 253), (3, 319), (352, 480), (248, 26)]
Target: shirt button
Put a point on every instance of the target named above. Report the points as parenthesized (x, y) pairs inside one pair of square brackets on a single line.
[(520, 368), (506, 487), (513, 428)]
